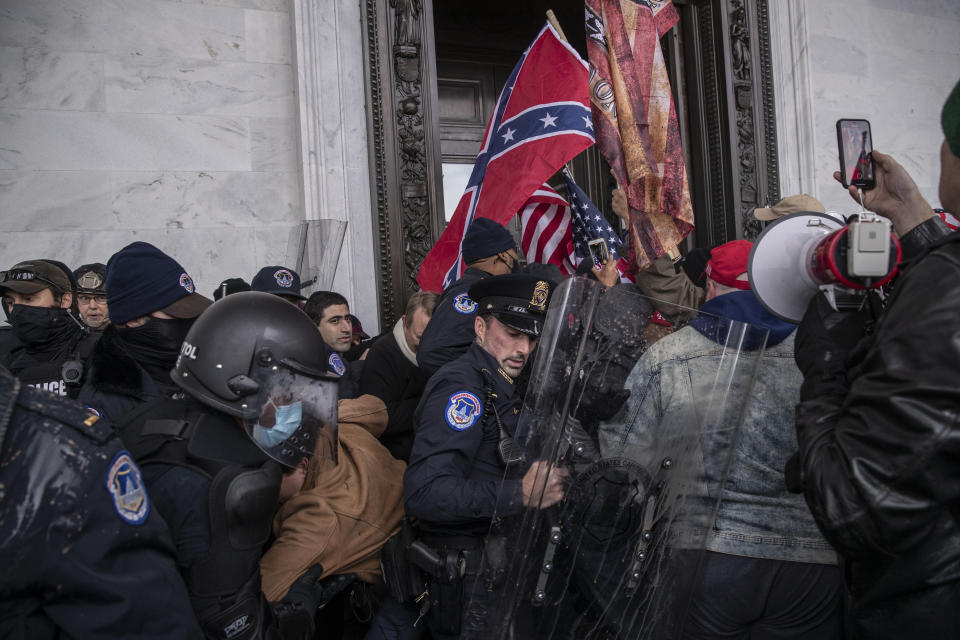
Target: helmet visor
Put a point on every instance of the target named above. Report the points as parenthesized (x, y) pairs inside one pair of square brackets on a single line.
[(296, 416)]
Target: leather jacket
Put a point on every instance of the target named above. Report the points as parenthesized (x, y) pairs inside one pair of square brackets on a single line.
[(880, 460)]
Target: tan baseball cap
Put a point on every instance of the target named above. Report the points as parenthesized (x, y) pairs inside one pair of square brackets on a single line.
[(790, 204)]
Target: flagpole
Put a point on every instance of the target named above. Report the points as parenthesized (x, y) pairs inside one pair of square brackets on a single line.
[(552, 19)]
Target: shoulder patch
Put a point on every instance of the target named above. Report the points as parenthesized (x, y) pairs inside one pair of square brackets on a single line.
[(336, 364), (125, 484), (66, 412), (463, 304), (463, 409)]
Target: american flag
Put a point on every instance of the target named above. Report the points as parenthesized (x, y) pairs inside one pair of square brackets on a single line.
[(556, 231), (588, 223), (541, 120), (546, 237)]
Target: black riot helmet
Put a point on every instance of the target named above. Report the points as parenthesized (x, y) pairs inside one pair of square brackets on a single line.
[(257, 357)]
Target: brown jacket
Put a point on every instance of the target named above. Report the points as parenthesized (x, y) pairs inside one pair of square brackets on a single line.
[(345, 513)]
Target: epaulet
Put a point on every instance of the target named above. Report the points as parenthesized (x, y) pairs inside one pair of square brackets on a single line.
[(66, 412)]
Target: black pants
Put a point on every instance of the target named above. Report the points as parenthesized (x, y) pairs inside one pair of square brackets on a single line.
[(756, 599)]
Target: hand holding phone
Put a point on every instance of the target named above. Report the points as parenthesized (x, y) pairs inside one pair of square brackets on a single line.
[(599, 252), (856, 146)]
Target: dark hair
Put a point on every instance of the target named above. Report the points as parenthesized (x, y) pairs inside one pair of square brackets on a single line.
[(319, 301), (425, 300)]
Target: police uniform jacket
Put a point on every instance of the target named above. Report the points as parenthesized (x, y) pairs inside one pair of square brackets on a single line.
[(44, 369), (83, 551), (450, 331), (453, 481), (116, 384)]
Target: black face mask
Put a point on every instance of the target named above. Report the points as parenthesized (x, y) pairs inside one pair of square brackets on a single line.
[(42, 329), (156, 344)]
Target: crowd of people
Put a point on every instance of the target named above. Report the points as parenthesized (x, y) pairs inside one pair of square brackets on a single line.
[(256, 466)]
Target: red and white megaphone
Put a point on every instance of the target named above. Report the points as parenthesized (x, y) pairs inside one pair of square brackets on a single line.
[(799, 254)]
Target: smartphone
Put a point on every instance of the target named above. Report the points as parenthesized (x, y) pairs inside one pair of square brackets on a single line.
[(856, 144), (598, 251)]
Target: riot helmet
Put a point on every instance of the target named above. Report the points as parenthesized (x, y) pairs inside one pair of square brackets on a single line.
[(254, 356)]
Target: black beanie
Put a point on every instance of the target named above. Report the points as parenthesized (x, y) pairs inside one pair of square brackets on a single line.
[(485, 238)]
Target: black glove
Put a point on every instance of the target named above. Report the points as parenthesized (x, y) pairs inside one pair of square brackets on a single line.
[(825, 339), (296, 611)]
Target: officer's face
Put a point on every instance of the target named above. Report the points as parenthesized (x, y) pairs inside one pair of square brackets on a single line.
[(93, 309), (42, 298), (335, 327), (511, 348)]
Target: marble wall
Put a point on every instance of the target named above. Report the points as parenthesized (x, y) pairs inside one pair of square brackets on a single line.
[(889, 61), (165, 121)]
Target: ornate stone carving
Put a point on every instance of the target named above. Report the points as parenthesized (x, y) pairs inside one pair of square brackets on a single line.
[(741, 60), (384, 248), (751, 82), (411, 141)]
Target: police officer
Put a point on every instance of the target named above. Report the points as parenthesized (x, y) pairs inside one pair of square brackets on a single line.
[(83, 551), (152, 303), (456, 475), (258, 398), (488, 250), (37, 300), (92, 295)]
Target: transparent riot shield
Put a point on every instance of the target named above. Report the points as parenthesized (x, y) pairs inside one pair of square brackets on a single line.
[(645, 431), (313, 248)]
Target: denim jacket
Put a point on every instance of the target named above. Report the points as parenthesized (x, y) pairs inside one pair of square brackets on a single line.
[(757, 517)]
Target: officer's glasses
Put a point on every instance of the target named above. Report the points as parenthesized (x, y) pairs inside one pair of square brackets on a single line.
[(83, 298)]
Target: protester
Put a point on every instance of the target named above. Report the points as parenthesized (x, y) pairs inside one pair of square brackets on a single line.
[(768, 572), (391, 373), (876, 424)]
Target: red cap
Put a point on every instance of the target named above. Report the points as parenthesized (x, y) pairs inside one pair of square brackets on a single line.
[(728, 261)]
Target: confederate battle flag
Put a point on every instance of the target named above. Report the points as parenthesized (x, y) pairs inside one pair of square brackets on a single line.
[(541, 120), (635, 120)]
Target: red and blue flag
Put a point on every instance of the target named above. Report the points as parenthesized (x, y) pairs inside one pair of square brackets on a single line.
[(541, 120)]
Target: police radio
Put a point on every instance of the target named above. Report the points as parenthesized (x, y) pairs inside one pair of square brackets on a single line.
[(802, 253)]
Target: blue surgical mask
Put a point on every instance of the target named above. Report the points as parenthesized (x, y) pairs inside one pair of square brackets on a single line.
[(288, 418)]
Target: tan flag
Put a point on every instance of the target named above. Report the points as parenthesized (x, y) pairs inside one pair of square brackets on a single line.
[(635, 121)]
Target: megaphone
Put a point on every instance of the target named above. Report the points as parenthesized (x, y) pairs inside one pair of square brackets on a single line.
[(801, 253)]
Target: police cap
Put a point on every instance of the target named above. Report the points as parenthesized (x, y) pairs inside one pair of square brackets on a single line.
[(518, 300), (33, 275), (92, 278)]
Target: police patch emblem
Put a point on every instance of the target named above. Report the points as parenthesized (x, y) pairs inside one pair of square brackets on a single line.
[(125, 484), (186, 282), (284, 278), (336, 364), (540, 294), (462, 410), (463, 304)]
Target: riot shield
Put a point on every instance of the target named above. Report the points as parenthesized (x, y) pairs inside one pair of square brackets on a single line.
[(646, 430)]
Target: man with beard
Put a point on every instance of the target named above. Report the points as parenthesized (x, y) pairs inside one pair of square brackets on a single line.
[(37, 296), (152, 304), (456, 472)]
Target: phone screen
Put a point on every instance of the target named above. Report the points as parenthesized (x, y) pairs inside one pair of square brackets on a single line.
[(598, 251), (856, 144)]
